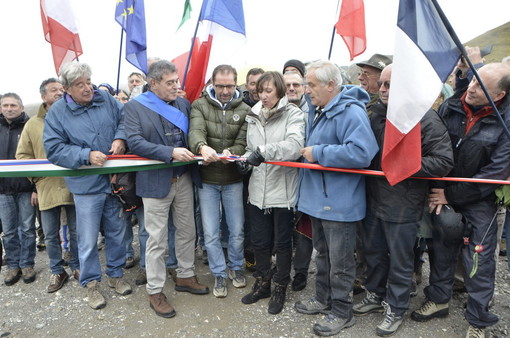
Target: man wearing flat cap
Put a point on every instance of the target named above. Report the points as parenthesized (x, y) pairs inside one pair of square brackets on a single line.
[(369, 75)]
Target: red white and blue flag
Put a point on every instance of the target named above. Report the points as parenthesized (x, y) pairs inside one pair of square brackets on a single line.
[(425, 55), (60, 31), (220, 34)]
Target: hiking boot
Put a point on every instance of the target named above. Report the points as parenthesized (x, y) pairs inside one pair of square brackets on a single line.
[(172, 273), (57, 281), (371, 303), (141, 277), (76, 274), (95, 298), (220, 287), (28, 274), (332, 325), (261, 289), (430, 310), (130, 262), (121, 287), (237, 278), (13, 276), (312, 307), (277, 299), (299, 282), (357, 288), (191, 285), (390, 323), (475, 332), (160, 305)]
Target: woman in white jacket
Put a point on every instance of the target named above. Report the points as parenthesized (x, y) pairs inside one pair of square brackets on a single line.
[(276, 130)]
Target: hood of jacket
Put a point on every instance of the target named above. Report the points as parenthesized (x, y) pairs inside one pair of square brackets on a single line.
[(349, 94), (210, 94)]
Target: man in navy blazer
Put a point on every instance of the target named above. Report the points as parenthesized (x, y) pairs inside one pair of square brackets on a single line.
[(156, 128)]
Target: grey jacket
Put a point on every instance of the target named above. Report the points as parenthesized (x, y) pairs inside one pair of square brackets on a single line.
[(279, 138)]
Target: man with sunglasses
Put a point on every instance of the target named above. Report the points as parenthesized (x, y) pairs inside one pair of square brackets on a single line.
[(217, 126), (393, 213), (370, 71)]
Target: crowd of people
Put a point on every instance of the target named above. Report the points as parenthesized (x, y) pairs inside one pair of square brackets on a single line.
[(241, 211)]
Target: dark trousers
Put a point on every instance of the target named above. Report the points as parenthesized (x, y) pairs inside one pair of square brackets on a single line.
[(390, 260), (336, 268), (303, 254), (480, 287), (265, 224)]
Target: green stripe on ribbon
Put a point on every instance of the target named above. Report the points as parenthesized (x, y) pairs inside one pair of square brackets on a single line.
[(92, 171)]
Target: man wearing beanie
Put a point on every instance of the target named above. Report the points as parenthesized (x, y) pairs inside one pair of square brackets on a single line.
[(294, 65)]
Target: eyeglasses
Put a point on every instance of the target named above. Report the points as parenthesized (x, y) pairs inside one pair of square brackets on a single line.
[(386, 84), (124, 99), (222, 87), (297, 85), (365, 74)]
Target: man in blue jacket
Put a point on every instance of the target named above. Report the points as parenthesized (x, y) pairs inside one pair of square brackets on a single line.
[(81, 129), (157, 127), (338, 135)]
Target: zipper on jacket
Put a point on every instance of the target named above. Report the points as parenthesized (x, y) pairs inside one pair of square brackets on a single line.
[(324, 185)]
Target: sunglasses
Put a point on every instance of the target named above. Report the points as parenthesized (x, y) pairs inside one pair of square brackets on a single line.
[(386, 84)]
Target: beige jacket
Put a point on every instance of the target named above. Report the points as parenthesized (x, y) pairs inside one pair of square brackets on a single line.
[(52, 191)]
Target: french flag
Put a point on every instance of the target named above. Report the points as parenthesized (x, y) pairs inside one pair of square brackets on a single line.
[(425, 55), (60, 31), (220, 34)]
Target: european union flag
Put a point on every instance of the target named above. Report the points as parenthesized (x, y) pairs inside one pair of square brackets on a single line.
[(130, 14)]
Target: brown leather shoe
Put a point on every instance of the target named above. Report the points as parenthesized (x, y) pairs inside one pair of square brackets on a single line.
[(191, 285), (161, 306), (57, 281)]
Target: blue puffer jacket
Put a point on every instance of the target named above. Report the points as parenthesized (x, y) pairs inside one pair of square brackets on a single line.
[(72, 131), (341, 137)]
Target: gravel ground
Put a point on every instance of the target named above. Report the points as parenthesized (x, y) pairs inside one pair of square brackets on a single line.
[(26, 310)]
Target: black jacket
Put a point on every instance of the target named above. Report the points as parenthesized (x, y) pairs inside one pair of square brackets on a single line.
[(404, 202), (9, 137), (483, 153)]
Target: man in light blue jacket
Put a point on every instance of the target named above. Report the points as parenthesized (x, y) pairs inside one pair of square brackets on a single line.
[(81, 129), (338, 135)]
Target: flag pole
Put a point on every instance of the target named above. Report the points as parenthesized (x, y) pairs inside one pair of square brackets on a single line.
[(120, 59), (331, 44), (460, 46), (183, 83), (334, 31)]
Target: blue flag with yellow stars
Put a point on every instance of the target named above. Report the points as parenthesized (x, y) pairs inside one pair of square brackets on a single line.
[(130, 14)]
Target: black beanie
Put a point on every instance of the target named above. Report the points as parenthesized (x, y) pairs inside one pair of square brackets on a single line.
[(295, 63)]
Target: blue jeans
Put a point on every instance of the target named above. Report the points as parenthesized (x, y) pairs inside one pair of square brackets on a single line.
[(18, 222), (142, 234), (231, 197), (50, 220), (91, 211), (336, 268), (507, 233)]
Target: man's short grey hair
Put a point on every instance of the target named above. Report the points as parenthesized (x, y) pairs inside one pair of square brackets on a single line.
[(72, 71), (326, 71), (12, 95), (160, 68), (42, 87)]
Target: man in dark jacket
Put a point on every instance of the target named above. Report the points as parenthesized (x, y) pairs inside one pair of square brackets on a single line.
[(481, 149), (17, 200), (157, 128), (218, 125), (393, 213)]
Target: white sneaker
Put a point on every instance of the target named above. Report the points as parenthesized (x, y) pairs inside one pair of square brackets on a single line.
[(220, 287), (237, 278)]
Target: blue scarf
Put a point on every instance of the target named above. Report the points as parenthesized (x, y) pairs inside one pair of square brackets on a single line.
[(172, 114)]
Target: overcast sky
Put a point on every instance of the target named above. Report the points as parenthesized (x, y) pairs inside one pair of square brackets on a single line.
[(276, 30)]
